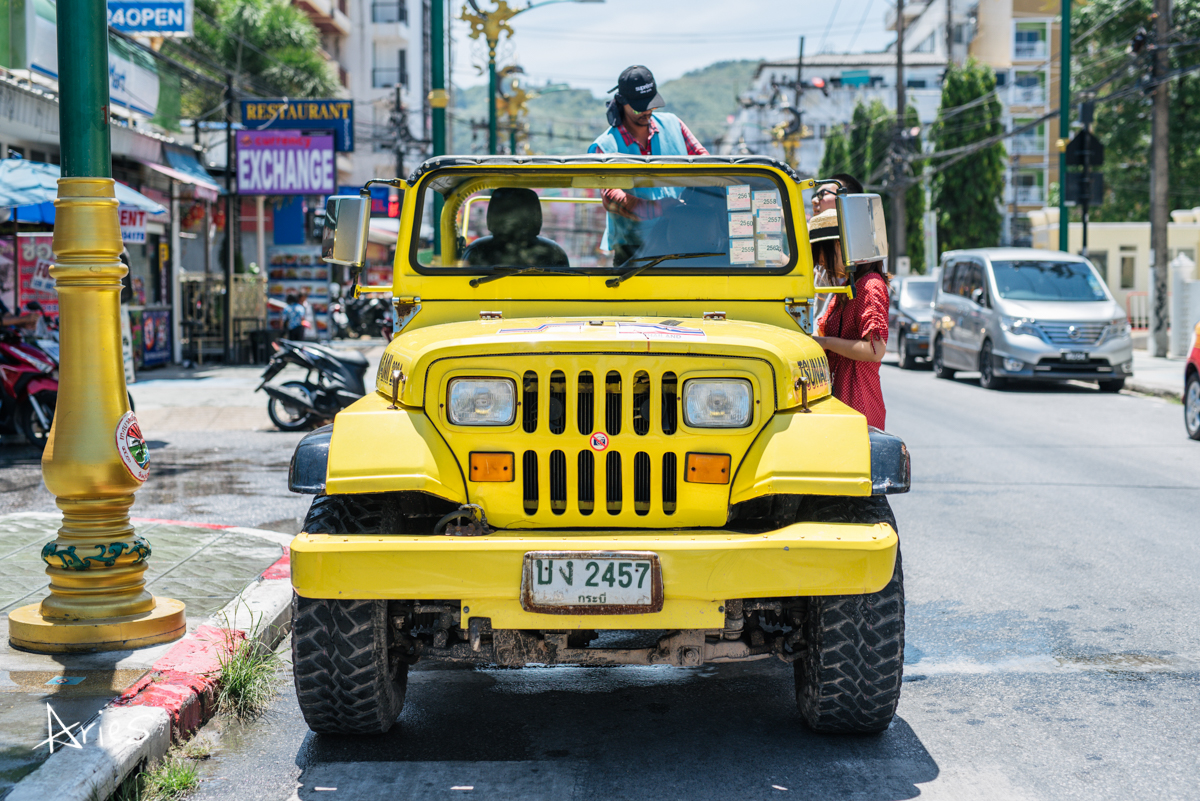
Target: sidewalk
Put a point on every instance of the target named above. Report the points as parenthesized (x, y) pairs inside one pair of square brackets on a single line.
[(217, 571), (1156, 376)]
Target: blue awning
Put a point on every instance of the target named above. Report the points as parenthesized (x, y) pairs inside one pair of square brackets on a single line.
[(187, 164), (32, 183)]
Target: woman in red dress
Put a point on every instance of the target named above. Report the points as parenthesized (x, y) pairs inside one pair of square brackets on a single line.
[(852, 332)]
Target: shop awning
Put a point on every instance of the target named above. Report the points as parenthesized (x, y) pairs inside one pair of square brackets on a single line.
[(187, 164), (204, 189), (31, 183)]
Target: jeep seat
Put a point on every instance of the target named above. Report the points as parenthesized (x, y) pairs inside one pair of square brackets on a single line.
[(514, 216)]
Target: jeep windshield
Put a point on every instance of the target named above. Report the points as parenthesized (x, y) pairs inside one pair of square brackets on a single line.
[(553, 223)]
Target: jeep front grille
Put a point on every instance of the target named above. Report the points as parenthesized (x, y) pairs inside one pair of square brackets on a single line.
[(617, 485), (584, 396)]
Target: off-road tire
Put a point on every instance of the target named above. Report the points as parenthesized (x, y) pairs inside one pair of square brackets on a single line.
[(1112, 385), (939, 364), (848, 680), (987, 368), (345, 514), (347, 682), (908, 361)]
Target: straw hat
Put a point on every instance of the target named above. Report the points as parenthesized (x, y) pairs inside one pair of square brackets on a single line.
[(823, 226)]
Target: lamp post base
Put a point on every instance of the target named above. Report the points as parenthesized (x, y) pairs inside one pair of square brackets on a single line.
[(29, 631)]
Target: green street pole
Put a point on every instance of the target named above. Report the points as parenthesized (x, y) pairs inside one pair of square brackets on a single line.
[(1064, 128), (492, 147), (437, 79), (83, 89)]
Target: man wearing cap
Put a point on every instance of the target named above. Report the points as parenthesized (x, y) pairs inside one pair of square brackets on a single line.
[(636, 129)]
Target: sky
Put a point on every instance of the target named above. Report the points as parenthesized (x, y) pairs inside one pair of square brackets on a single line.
[(588, 44)]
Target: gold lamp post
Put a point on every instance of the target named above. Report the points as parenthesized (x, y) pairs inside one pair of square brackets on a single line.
[(95, 457)]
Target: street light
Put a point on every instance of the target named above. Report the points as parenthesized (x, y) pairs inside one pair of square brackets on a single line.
[(489, 25)]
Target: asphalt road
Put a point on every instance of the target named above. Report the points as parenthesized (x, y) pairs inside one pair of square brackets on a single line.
[(1051, 551)]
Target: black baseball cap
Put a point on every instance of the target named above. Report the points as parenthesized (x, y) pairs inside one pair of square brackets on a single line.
[(636, 88)]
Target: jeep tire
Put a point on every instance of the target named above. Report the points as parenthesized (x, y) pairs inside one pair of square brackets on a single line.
[(848, 680), (347, 681)]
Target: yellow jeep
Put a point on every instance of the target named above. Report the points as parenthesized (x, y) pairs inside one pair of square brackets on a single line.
[(600, 435)]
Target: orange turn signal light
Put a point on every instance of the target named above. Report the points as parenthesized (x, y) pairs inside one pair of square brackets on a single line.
[(491, 467), (707, 468)]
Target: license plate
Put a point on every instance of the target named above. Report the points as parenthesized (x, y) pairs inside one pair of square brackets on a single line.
[(591, 582), (1074, 356)]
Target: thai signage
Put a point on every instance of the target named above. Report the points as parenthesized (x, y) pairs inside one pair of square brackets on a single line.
[(285, 163), (303, 115), (151, 17), (133, 224)]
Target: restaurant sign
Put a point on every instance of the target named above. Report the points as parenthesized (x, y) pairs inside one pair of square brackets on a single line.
[(285, 163), (336, 116)]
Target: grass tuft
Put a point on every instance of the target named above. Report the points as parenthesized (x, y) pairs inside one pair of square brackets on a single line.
[(171, 779), (249, 676)]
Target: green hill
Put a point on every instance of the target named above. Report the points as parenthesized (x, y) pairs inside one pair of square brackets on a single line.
[(566, 121)]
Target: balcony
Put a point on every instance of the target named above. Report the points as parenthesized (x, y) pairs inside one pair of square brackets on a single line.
[(389, 13), (328, 16), (381, 78), (1028, 145), (1027, 96), (912, 10), (1030, 196), (1029, 51)]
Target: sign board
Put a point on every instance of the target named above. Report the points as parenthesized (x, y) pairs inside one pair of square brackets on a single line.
[(32, 249), (1074, 189), (133, 224), (1081, 141), (151, 17), (293, 269), (285, 163), (336, 116)]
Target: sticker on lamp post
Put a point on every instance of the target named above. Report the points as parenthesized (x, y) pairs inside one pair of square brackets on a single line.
[(131, 445)]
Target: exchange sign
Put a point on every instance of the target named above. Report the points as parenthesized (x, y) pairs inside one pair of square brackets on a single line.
[(151, 17), (285, 163)]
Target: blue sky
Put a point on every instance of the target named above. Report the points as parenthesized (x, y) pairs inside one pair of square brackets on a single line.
[(588, 44)]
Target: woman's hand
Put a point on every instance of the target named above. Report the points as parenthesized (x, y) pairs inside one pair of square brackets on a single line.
[(859, 350)]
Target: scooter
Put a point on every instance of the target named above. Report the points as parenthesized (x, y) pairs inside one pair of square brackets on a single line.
[(28, 388), (339, 320), (297, 405)]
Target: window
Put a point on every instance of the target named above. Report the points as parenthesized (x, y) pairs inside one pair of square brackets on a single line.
[(916, 83), (925, 46), (1027, 187), (384, 75), (1001, 78), (1128, 262), (1099, 260), (948, 277), (1047, 280), (1029, 89), (37, 155), (1029, 41), (393, 11)]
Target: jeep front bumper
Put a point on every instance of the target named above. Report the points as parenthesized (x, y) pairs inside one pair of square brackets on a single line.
[(701, 569)]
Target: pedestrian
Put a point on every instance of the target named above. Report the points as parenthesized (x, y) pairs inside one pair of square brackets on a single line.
[(636, 129), (825, 196), (853, 332), (293, 317), (310, 319)]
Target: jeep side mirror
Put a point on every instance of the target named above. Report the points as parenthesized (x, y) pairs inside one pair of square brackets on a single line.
[(344, 236), (862, 228)]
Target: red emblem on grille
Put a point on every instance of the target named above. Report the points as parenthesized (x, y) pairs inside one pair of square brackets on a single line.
[(599, 441)]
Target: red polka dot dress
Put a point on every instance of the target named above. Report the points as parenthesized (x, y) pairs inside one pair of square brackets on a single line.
[(856, 383)]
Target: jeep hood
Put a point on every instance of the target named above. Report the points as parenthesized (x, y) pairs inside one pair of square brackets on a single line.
[(790, 354)]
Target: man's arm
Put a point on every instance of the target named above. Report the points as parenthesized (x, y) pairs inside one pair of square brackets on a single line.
[(694, 148)]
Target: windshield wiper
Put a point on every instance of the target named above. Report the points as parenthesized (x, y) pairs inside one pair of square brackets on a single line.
[(474, 282), (654, 260)]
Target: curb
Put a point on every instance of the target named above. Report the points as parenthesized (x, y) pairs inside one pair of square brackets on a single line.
[(1158, 392), (167, 705)]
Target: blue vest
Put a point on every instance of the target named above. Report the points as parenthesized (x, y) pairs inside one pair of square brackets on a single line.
[(668, 141)]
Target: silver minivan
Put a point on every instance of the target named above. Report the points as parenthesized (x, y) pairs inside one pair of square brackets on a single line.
[(1031, 314)]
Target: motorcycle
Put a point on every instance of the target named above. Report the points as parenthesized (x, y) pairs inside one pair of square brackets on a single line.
[(297, 405), (366, 316), (339, 320), (28, 388)]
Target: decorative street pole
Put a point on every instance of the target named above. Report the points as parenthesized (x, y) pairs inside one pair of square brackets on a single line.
[(96, 457), (489, 25)]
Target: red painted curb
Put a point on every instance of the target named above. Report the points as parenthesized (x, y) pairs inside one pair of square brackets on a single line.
[(282, 569), (178, 523)]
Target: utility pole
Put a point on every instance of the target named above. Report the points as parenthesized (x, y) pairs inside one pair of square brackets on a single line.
[(438, 99), (400, 121), (1064, 129), (1159, 183), (230, 235), (899, 217), (949, 34)]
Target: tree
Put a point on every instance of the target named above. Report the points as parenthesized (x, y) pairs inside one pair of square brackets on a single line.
[(880, 135), (968, 194), (835, 159), (860, 142), (270, 46), (1123, 125)]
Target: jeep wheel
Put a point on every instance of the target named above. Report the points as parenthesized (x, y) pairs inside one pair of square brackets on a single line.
[(939, 365), (347, 682), (848, 680)]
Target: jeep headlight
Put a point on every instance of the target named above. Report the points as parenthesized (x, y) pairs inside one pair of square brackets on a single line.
[(482, 401), (717, 403)]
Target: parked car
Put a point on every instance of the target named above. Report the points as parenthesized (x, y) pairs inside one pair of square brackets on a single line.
[(1031, 314), (910, 318), (1191, 389)]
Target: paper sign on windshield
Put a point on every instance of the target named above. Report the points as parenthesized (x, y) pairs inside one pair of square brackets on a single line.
[(741, 251), (768, 221), (770, 250), (741, 223), (737, 197), (768, 199)]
